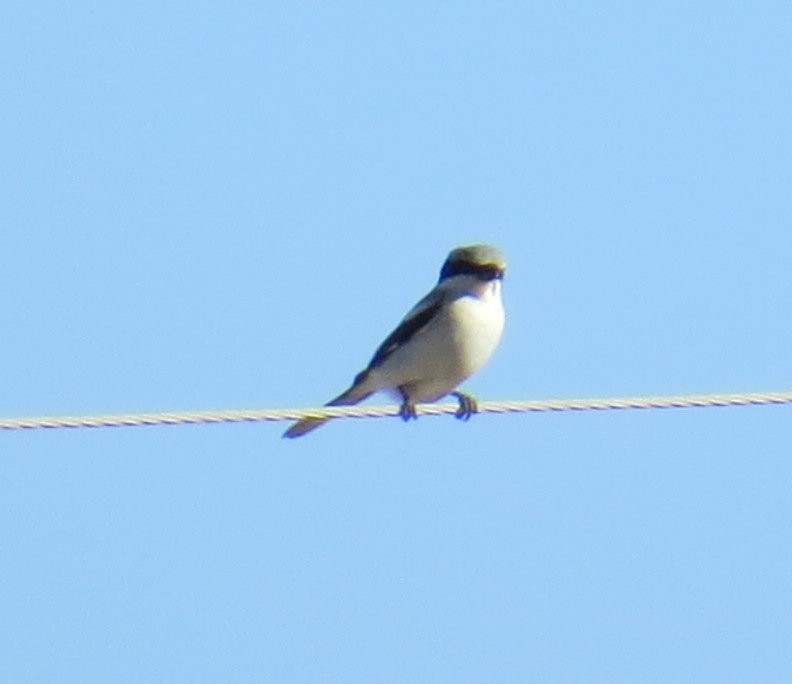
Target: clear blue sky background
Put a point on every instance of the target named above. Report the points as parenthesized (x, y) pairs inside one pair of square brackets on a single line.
[(210, 205)]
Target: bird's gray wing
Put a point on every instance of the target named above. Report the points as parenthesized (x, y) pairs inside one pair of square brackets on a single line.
[(423, 312)]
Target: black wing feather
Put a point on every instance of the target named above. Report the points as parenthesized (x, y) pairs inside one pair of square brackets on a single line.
[(406, 331)]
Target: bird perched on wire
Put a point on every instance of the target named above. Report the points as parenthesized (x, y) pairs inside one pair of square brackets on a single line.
[(449, 335)]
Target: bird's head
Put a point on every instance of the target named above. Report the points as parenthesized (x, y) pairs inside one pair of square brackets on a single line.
[(483, 262)]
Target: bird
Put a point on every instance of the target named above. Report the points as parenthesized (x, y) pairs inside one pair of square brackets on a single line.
[(444, 339)]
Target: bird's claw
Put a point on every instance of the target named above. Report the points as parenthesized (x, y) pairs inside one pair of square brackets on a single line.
[(467, 405), (408, 411)]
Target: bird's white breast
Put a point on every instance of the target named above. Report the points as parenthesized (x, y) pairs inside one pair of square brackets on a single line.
[(477, 326), (453, 346)]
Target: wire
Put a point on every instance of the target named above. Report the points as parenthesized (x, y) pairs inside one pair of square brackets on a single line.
[(257, 415)]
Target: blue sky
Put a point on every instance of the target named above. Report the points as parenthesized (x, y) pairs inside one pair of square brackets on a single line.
[(228, 206)]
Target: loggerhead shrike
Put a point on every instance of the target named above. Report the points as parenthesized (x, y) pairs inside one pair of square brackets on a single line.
[(449, 335)]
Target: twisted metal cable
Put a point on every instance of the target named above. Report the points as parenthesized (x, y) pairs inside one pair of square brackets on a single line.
[(257, 415)]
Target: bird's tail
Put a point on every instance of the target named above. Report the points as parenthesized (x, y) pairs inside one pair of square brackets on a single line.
[(353, 395)]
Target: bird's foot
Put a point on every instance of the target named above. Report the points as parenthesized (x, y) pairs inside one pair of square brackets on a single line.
[(407, 410), (467, 405)]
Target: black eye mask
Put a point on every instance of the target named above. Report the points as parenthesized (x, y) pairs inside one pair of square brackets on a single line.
[(484, 272)]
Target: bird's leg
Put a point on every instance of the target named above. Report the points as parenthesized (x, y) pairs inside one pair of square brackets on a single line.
[(467, 405), (407, 410)]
